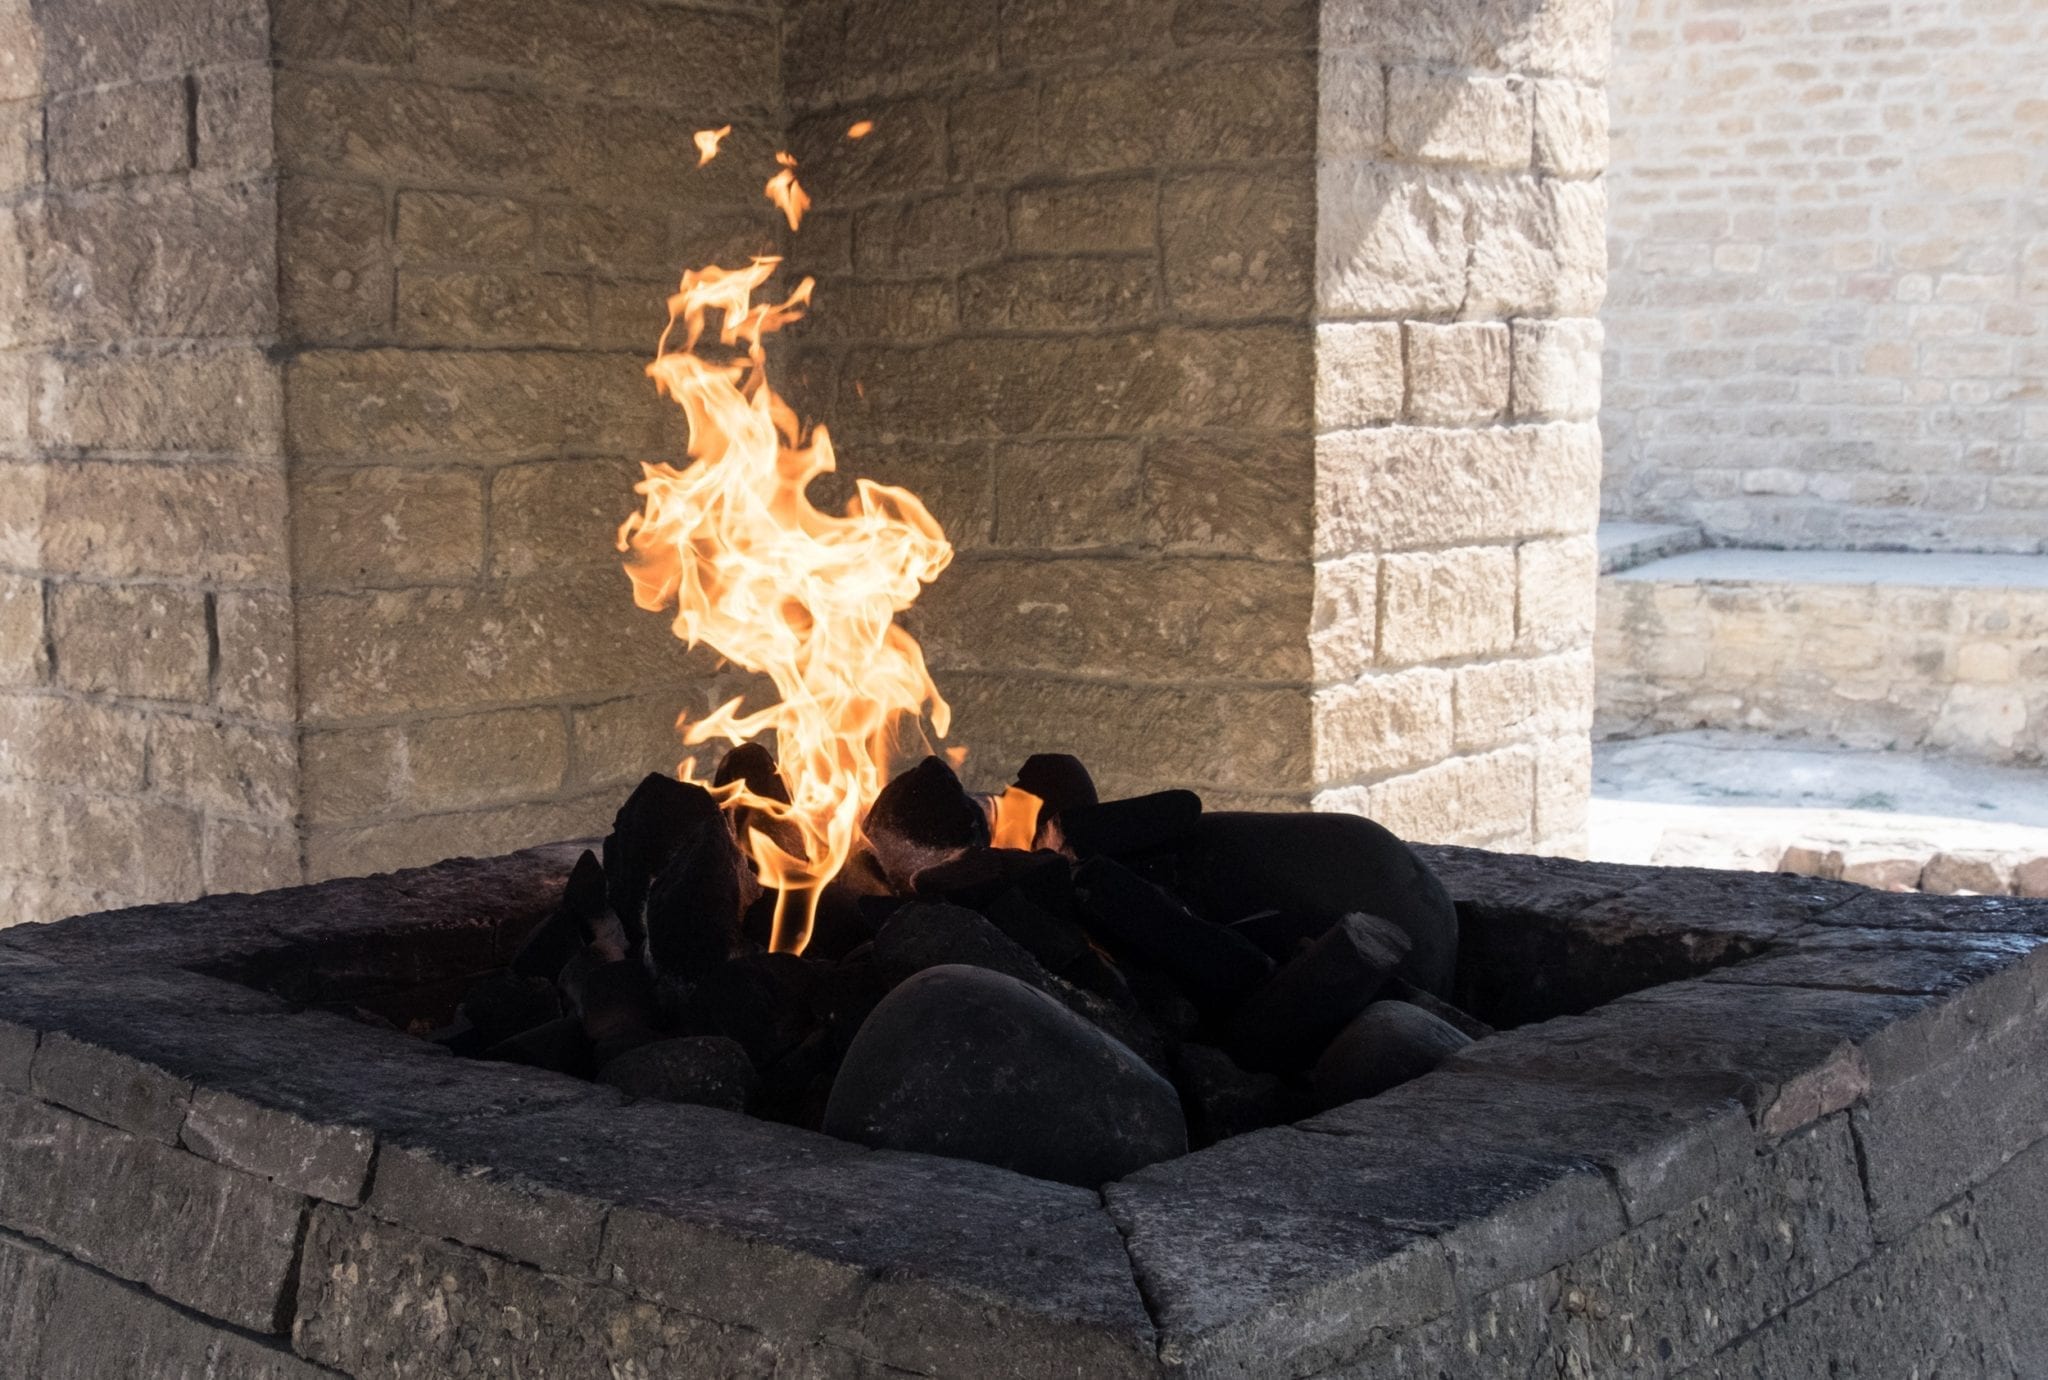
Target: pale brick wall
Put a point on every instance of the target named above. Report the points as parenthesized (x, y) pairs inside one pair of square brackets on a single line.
[(1459, 268), (1829, 317), (145, 647)]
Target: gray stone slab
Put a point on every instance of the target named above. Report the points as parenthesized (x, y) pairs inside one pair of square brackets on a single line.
[(380, 1300), (1907, 971), (210, 1238), (65, 1321), (1245, 1245), (17, 1053), (112, 1087), (1886, 910), (1792, 1054), (1660, 1148), (1752, 904), (312, 1157), (939, 1266), (1485, 881)]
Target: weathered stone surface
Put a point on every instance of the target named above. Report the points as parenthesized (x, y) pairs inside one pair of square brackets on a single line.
[(1360, 378), (67, 1322), (1447, 605), (1388, 243), (218, 1241), (371, 527), (1237, 245), (212, 521), (1439, 117), (1457, 374), (111, 1087), (139, 640), (1570, 124), (116, 132), (1454, 486), (1556, 369)]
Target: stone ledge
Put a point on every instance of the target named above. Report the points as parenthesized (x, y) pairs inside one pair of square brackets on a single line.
[(1791, 1013)]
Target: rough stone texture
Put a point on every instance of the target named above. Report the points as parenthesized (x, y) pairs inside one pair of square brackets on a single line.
[(1827, 1155), (1889, 651), (1827, 315)]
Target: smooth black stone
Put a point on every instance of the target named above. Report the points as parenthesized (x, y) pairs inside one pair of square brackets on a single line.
[(1284, 1025), (655, 822), (505, 1003), (928, 934), (967, 1062), (560, 1046), (1091, 972), (755, 765), (764, 1001), (978, 876), (696, 902), (1321, 867), (1162, 1001), (616, 1004), (572, 924), (1060, 782), (1215, 968), (1223, 1099), (922, 818), (1138, 824), (845, 921), (1052, 938), (1281, 934), (1387, 1044), (1400, 989), (703, 1070)]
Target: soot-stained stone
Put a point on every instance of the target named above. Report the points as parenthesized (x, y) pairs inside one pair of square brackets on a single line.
[(1321, 867), (505, 1003), (978, 876), (1214, 967), (616, 1004), (1287, 1022), (704, 1070), (755, 765), (696, 900), (1384, 1046), (560, 1046), (572, 925), (661, 817), (1052, 937), (764, 1001), (1223, 1099), (1138, 824), (923, 817), (970, 1063), (927, 935), (1061, 782)]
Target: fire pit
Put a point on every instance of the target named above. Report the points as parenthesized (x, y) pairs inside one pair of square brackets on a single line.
[(1757, 1123)]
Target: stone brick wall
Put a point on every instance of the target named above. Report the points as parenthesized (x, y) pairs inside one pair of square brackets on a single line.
[(1830, 289), (146, 668), (483, 208), (1459, 263)]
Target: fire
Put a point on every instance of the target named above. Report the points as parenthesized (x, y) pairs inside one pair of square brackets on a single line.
[(776, 586), (860, 129), (708, 141), (1013, 818), (784, 190)]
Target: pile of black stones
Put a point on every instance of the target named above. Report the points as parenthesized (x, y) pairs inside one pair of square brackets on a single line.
[(1149, 977)]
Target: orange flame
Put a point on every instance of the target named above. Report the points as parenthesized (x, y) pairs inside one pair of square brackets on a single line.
[(784, 190), (778, 587), (708, 141), (1013, 818), (860, 129)]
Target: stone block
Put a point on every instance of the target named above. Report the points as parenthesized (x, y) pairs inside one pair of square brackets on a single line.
[(1458, 117), (1557, 583), (380, 527), (69, 1322), (483, 758), (224, 768), (1064, 495), (464, 228), (1096, 217), (935, 234), (135, 38), (1129, 619), (1343, 636), (21, 145), (1351, 120), (76, 743), (117, 132), (898, 310), (1381, 724), (1499, 702), (1556, 369), (1047, 295), (1399, 487), (613, 49), (334, 260), (1457, 374), (1230, 497), (1539, 248), (121, 520), (389, 846), (242, 857), (149, 641), (1206, 110), (1570, 129), (22, 653), (1958, 871), (255, 654), (1485, 799), (492, 308), (219, 402), (111, 1087), (1446, 605), (1360, 378), (231, 120), (1564, 787), (1389, 243), (553, 514), (1239, 245), (219, 1242)]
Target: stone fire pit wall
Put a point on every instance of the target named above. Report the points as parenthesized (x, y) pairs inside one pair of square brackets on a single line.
[(1245, 349), (1804, 1135)]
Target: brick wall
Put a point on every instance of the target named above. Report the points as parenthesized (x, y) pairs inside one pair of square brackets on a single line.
[(146, 672), (1460, 261), (1830, 283)]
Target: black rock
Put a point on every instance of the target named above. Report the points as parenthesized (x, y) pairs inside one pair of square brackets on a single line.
[(1060, 782), (661, 817), (1387, 1044), (704, 1070), (755, 765), (1053, 939), (1281, 934), (505, 1003), (1139, 824), (616, 1004), (923, 817), (695, 902), (1215, 968), (1320, 867), (1400, 989), (979, 875), (573, 924), (559, 1046), (764, 1001), (1224, 1100), (1288, 1021), (970, 1063)]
